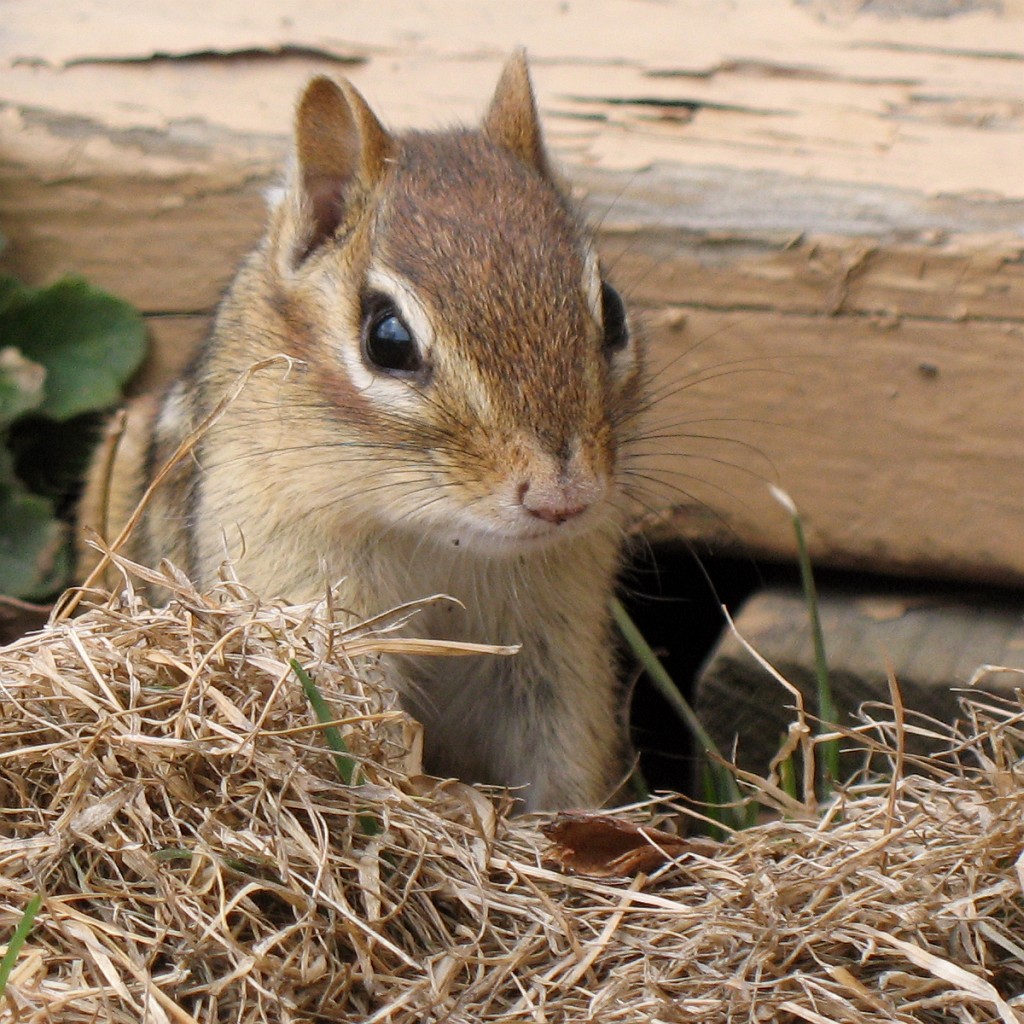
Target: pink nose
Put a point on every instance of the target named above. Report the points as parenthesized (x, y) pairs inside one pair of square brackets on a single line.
[(552, 504)]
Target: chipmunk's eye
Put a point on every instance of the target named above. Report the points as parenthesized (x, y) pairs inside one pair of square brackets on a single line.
[(387, 343), (613, 312)]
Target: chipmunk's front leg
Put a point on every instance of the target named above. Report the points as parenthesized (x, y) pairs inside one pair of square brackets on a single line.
[(571, 753), (502, 722)]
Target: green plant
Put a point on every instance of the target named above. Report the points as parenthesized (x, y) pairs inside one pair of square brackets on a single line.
[(21, 933), (346, 766), (65, 353), (827, 713), (722, 798)]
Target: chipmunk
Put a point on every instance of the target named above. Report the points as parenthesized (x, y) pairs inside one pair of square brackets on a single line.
[(454, 416)]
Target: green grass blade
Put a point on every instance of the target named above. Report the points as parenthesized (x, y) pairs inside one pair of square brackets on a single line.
[(713, 800), (348, 769), (659, 676), (21, 933), (724, 782), (170, 853), (826, 706), (787, 778)]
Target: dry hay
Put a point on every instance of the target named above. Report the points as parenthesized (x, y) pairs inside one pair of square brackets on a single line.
[(165, 787)]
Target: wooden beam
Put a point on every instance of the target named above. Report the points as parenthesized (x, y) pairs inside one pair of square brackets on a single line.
[(826, 197)]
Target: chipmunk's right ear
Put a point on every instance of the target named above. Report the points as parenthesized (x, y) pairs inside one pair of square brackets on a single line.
[(512, 120), (341, 149)]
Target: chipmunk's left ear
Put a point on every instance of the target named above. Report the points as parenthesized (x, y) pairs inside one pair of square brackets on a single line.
[(341, 151), (511, 120)]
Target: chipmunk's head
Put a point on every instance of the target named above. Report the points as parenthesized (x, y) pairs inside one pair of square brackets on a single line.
[(479, 369)]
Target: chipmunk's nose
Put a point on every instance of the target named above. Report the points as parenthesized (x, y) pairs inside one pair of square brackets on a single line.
[(556, 497), (552, 508)]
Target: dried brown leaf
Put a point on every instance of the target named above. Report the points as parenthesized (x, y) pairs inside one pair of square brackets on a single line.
[(604, 846)]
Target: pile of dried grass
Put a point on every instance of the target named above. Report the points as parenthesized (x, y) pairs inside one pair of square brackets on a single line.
[(164, 786)]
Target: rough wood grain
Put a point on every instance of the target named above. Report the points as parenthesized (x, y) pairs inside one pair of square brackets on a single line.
[(826, 193)]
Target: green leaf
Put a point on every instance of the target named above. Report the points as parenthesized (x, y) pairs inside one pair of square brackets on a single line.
[(827, 714), (21, 385), (34, 556), (89, 342), (21, 934), (52, 458), (345, 764), (11, 289)]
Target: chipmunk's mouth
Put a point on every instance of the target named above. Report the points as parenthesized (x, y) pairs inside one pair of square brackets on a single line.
[(539, 505), (520, 533)]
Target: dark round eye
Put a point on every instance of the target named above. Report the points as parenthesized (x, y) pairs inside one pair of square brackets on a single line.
[(387, 343), (616, 332)]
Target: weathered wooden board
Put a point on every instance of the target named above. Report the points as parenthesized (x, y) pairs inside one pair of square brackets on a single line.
[(819, 204), (934, 645)]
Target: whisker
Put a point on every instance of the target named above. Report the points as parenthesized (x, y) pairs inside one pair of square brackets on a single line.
[(599, 223), (657, 479), (658, 510), (773, 478), (734, 442), (703, 376), (700, 342)]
